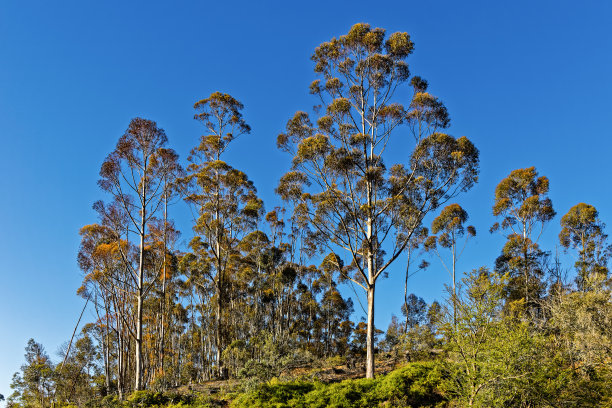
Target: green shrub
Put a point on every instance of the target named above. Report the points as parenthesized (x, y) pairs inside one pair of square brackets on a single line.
[(273, 395), (147, 399), (346, 394), (110, 401), (415, 385)]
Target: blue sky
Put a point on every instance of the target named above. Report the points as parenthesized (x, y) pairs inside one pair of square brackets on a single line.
[(528, 82)]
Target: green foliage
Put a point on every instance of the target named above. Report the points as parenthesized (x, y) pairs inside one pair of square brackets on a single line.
[(146, 399), (339, 182), (348, 393), (415, 385), (276, 356), (521, 198), (582, 323), (490, 353), (33, 385), (522, 203), (273, 395), (412, 386), (523, 261), (583, 230)]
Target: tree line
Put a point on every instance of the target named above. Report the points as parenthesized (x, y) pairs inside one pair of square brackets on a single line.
[(257, 294)]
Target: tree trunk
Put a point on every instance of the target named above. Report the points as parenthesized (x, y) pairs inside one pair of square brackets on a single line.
[(219, 337), (119, 362), (454, 281), (107, 345), (370, 334), (406, 291), (138, 357), (162, 333)]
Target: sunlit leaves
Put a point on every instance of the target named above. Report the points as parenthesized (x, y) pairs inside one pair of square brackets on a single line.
[(522, 197), (450, 225), (312, 148), (220, 114), (399, 45), (583, 230), (521, 201), (291, 185)]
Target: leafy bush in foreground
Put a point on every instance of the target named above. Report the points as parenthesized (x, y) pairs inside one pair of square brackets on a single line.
[(412, 386)]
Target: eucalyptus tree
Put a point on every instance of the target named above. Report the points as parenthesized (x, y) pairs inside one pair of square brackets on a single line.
[(104, 254), (521, 201), (339, 180), (583, 230), (417, 241), (101, 264), (168, 160), (135, 175), (335, 310), (449, 225), (415, 311), (33, 385), (225, 200)]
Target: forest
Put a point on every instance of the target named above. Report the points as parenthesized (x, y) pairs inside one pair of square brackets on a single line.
[(261, 308)]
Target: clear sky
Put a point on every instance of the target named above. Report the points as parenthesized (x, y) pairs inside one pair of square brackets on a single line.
[(529, 82)]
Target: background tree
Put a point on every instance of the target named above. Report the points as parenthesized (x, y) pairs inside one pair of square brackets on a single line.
[(33, 385), (135, 175), (583, 230), (109, 283), (416, 241), (225, 200), (522, 203), (415, 311), (580, 333), (74, 377), (339, 181), (450, 227), (165, 236)]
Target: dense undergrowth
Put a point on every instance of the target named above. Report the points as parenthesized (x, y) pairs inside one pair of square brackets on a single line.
[(415, 385)]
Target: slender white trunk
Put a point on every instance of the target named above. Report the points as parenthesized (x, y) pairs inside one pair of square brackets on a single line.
[(370, 334), (163, 303), (370, 291), (140, 289), (454, 255)]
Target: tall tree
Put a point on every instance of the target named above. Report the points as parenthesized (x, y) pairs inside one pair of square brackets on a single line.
[(106, 283), (339, 180), (225, 200), (583, 230), (168, 159), (135, 175), (450, 227), (522, 203)]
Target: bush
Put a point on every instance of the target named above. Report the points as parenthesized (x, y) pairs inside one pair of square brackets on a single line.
[(110, 401), (415, 385), (147, 399), (348, 393), (273, 395)]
